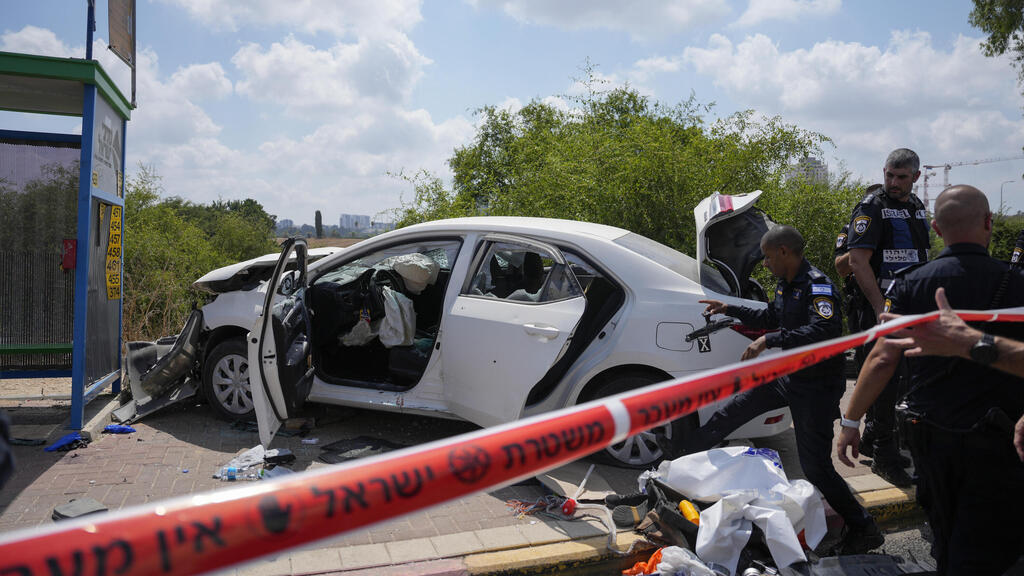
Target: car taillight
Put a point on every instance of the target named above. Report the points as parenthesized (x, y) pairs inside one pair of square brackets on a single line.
[(774, 419), (752, 333)]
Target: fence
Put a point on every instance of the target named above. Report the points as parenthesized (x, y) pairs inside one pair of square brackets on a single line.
[(36, 311)]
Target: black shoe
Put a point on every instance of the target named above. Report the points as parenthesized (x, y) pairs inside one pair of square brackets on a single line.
[(613, 500), (860, 540), (889, 456), (867, 445), (893, 474)]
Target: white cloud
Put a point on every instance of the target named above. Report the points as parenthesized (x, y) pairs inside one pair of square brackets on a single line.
[(907, 78), (35, 40), (759, 11), (306, 80), (949, 105), (335, 17), (201, 81), (639, 18)]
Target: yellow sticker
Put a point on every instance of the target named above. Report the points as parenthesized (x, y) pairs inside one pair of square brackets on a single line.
[(113, 262), (95, 179), (823, 306)]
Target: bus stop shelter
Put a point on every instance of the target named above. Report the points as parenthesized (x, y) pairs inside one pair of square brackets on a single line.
[(61, 222)]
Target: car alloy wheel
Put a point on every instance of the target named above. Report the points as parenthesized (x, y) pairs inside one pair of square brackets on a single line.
[(226, 380), (640, 450)]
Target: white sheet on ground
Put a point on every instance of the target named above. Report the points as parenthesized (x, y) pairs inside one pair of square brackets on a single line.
[(751, 489)]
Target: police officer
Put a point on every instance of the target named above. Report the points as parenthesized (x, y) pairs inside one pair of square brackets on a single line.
[(888, 231), (1017, 258), (806, 309), (960, 413)]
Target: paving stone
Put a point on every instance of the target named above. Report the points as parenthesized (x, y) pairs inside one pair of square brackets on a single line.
[(278, 566), (503, 537), (457, 544), (364, 556), (411, 550), (315, 561)]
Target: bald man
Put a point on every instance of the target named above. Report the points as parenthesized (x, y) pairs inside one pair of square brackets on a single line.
[(960, 413)]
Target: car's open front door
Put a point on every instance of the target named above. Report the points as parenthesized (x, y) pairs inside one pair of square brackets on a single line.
[(510, 323), (280, 372)]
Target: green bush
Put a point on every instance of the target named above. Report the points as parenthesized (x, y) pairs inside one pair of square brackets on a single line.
[(170, 243)]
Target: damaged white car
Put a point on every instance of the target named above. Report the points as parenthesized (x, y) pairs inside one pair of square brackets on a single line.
[(487, 319)]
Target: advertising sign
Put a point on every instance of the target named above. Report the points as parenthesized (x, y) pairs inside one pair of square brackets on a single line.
[(107, 152)]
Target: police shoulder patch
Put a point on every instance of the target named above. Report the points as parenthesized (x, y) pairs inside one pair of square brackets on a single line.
[(824, 307), (840, 240), (821, 289), (861, 224), (887, 306)]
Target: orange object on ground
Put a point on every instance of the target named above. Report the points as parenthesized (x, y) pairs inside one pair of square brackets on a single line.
[(689, 511), (649, 567)]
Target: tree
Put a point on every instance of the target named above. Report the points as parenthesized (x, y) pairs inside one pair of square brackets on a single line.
[(616, 158), (170, 242), (1003, 21), (319, 225)]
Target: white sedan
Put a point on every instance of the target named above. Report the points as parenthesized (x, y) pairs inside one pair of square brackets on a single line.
[(487, 319)]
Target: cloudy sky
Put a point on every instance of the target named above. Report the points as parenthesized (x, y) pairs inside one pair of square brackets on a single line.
[(311, 105)]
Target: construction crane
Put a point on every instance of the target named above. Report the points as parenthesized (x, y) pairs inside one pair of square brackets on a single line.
[(945, 172)]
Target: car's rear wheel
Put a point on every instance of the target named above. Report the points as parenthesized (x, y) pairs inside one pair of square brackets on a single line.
[(642, 450), (226, 380)]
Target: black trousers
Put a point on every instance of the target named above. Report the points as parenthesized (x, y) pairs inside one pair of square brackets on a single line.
[(880, 420), (972, 487), (815, 407)]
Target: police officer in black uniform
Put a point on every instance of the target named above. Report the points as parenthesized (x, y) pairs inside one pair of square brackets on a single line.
[(806, 310), (888, 231), (960, 413), (1017, 258)]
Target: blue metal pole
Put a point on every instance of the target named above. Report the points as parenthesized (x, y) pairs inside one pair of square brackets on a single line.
[(81, 308), (89, 28)]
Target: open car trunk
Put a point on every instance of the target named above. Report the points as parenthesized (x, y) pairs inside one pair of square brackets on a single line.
[(729, 237)]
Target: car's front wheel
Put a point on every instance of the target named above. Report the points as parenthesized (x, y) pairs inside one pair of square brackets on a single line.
[(226, 380), (642, 450)]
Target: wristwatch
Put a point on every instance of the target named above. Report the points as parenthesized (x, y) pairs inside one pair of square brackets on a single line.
[(847, 423), (984, 350)]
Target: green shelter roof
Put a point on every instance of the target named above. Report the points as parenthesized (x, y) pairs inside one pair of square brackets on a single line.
[(48, 85)]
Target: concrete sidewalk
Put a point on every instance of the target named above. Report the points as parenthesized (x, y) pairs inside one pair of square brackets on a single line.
[(175, 452)]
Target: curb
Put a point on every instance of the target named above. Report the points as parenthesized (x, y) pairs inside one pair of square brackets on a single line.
[(98, 416), (885, 506), (553, 558), (890, 504)]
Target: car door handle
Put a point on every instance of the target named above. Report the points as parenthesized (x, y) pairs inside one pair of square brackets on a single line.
[(541, 330)]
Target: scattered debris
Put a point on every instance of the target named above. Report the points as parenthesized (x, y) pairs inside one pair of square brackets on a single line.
[(353, 448), (118, 429), (310, 440), (76, 508), (279, 456), (68, 442)]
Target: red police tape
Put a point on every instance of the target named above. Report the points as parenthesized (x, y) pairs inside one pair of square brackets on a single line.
[(199, 533)]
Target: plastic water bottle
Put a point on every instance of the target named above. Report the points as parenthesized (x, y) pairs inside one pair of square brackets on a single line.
[(228, 474)]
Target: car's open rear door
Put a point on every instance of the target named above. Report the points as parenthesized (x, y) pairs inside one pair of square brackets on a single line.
[(280, 370)]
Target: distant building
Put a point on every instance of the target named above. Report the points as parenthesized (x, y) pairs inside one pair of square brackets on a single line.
[(354, 222), (810, 169)]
